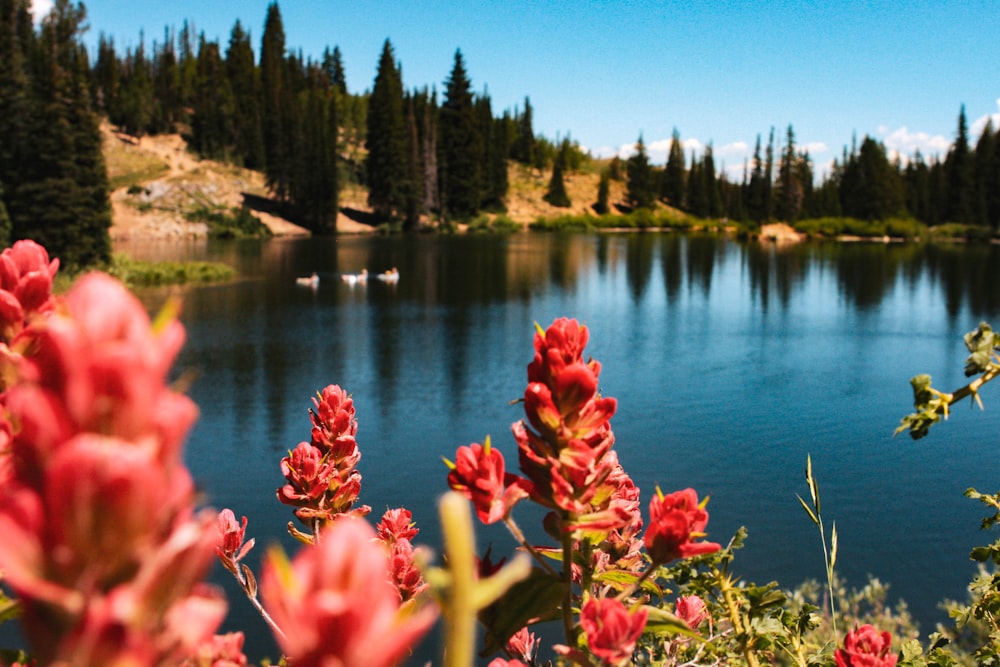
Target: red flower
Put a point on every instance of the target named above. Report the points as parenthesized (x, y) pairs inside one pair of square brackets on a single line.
[(25, 286), (478, 474), (396, 524), (865, 647), (612, 630), (675, 521), (691, 609), (232, 549), (523, 645), (336, 604)]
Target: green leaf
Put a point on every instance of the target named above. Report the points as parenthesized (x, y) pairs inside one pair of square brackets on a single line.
[(537, 597), (661, 622)]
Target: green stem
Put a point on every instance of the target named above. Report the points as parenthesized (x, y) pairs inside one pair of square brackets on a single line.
[(567, 605), (460, 609), (515, 530)]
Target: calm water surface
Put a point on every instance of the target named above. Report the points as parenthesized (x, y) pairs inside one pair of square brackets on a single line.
[(731, 362)]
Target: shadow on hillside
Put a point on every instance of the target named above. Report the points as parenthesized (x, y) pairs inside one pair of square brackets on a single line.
[(364, 217), (266, 205)]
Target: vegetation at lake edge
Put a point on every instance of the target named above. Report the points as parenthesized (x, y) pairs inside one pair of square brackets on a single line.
[(140, 273), (423, 161)]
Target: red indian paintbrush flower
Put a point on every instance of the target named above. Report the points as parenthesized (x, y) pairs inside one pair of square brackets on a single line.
[(865, 647), (336, 603), (612, 630), (692, 610), (101, 540), (322, 481), (676, 520), (26, 275), (564, 450), (478, 473)]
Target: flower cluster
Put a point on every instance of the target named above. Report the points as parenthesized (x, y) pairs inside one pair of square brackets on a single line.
[(322, 481), (396, 530), (101, 539)]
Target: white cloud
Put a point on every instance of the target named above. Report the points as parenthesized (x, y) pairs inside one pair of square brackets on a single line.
[(902, 143), (976, 129), (39, 8), (814, 147)]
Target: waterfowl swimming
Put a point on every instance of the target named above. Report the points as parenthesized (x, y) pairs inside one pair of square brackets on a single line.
[(308, 281), (355, 278), (390, 276)]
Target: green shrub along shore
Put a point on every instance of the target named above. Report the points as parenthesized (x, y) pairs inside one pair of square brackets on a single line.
[(140, 273)]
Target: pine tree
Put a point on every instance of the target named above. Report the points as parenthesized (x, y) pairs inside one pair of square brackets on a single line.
[(386, 165), (601, 207), (133, 110), (494, 159), (333, 65), (15, 102), (697, 196), (523, 147), (713, 205), (168, 105), (107, 75), (871, 188), (426, 115), (212, 130), (460, 146), (640, 187), (961, 187), (244, 83), (276, 104), (556, 194), (756, 203), (672, 188), (987, 185), (61, 196), (790, 193), (313, 187)]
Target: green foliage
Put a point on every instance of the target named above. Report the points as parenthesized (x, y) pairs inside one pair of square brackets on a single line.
[(137, 273), (498, 224), (931, 405), (556, 194), (236, 222), (461, 146), (832, 227), (641, 190)]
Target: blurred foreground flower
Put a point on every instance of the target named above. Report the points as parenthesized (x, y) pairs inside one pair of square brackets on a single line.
[(676, 520), (337, 604), (100, 538)]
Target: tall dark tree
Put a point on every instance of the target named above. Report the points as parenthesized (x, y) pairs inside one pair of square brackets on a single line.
[(961, 186), (133, 110), (212, 131), (987, 178), (556, 193), (494, 159), (790, 193), (523, 147), (426, 115), (15, 101), (461, 146), (244, 82), (107, 75), (61, 196), (386, 165), (713, 203), (601, 206), (168, 104), (313, 187), (640, 184), (333, 65), (757, 189), (696, 196), (871, 188), (277, 94), (672, 187)]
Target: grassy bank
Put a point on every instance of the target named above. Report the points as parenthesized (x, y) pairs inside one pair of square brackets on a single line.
[(140, 273)]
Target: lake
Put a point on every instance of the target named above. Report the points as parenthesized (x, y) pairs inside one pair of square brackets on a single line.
[(730, 362)]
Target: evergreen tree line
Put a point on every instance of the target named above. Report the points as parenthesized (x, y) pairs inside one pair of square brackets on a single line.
[(53, 180), (963, 187), (294, 119)]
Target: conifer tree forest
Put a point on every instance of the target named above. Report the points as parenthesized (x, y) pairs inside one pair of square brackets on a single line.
[(423, 155)]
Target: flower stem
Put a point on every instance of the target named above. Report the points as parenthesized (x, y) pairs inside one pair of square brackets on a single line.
[(515, 530), (567, 605)]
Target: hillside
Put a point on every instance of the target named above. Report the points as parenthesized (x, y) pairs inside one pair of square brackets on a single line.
[(156, 182)]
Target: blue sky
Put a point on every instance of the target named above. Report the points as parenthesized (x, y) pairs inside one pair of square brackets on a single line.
[(606, 72)]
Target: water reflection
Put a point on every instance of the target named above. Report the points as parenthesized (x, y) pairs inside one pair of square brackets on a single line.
[(730, 362)]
